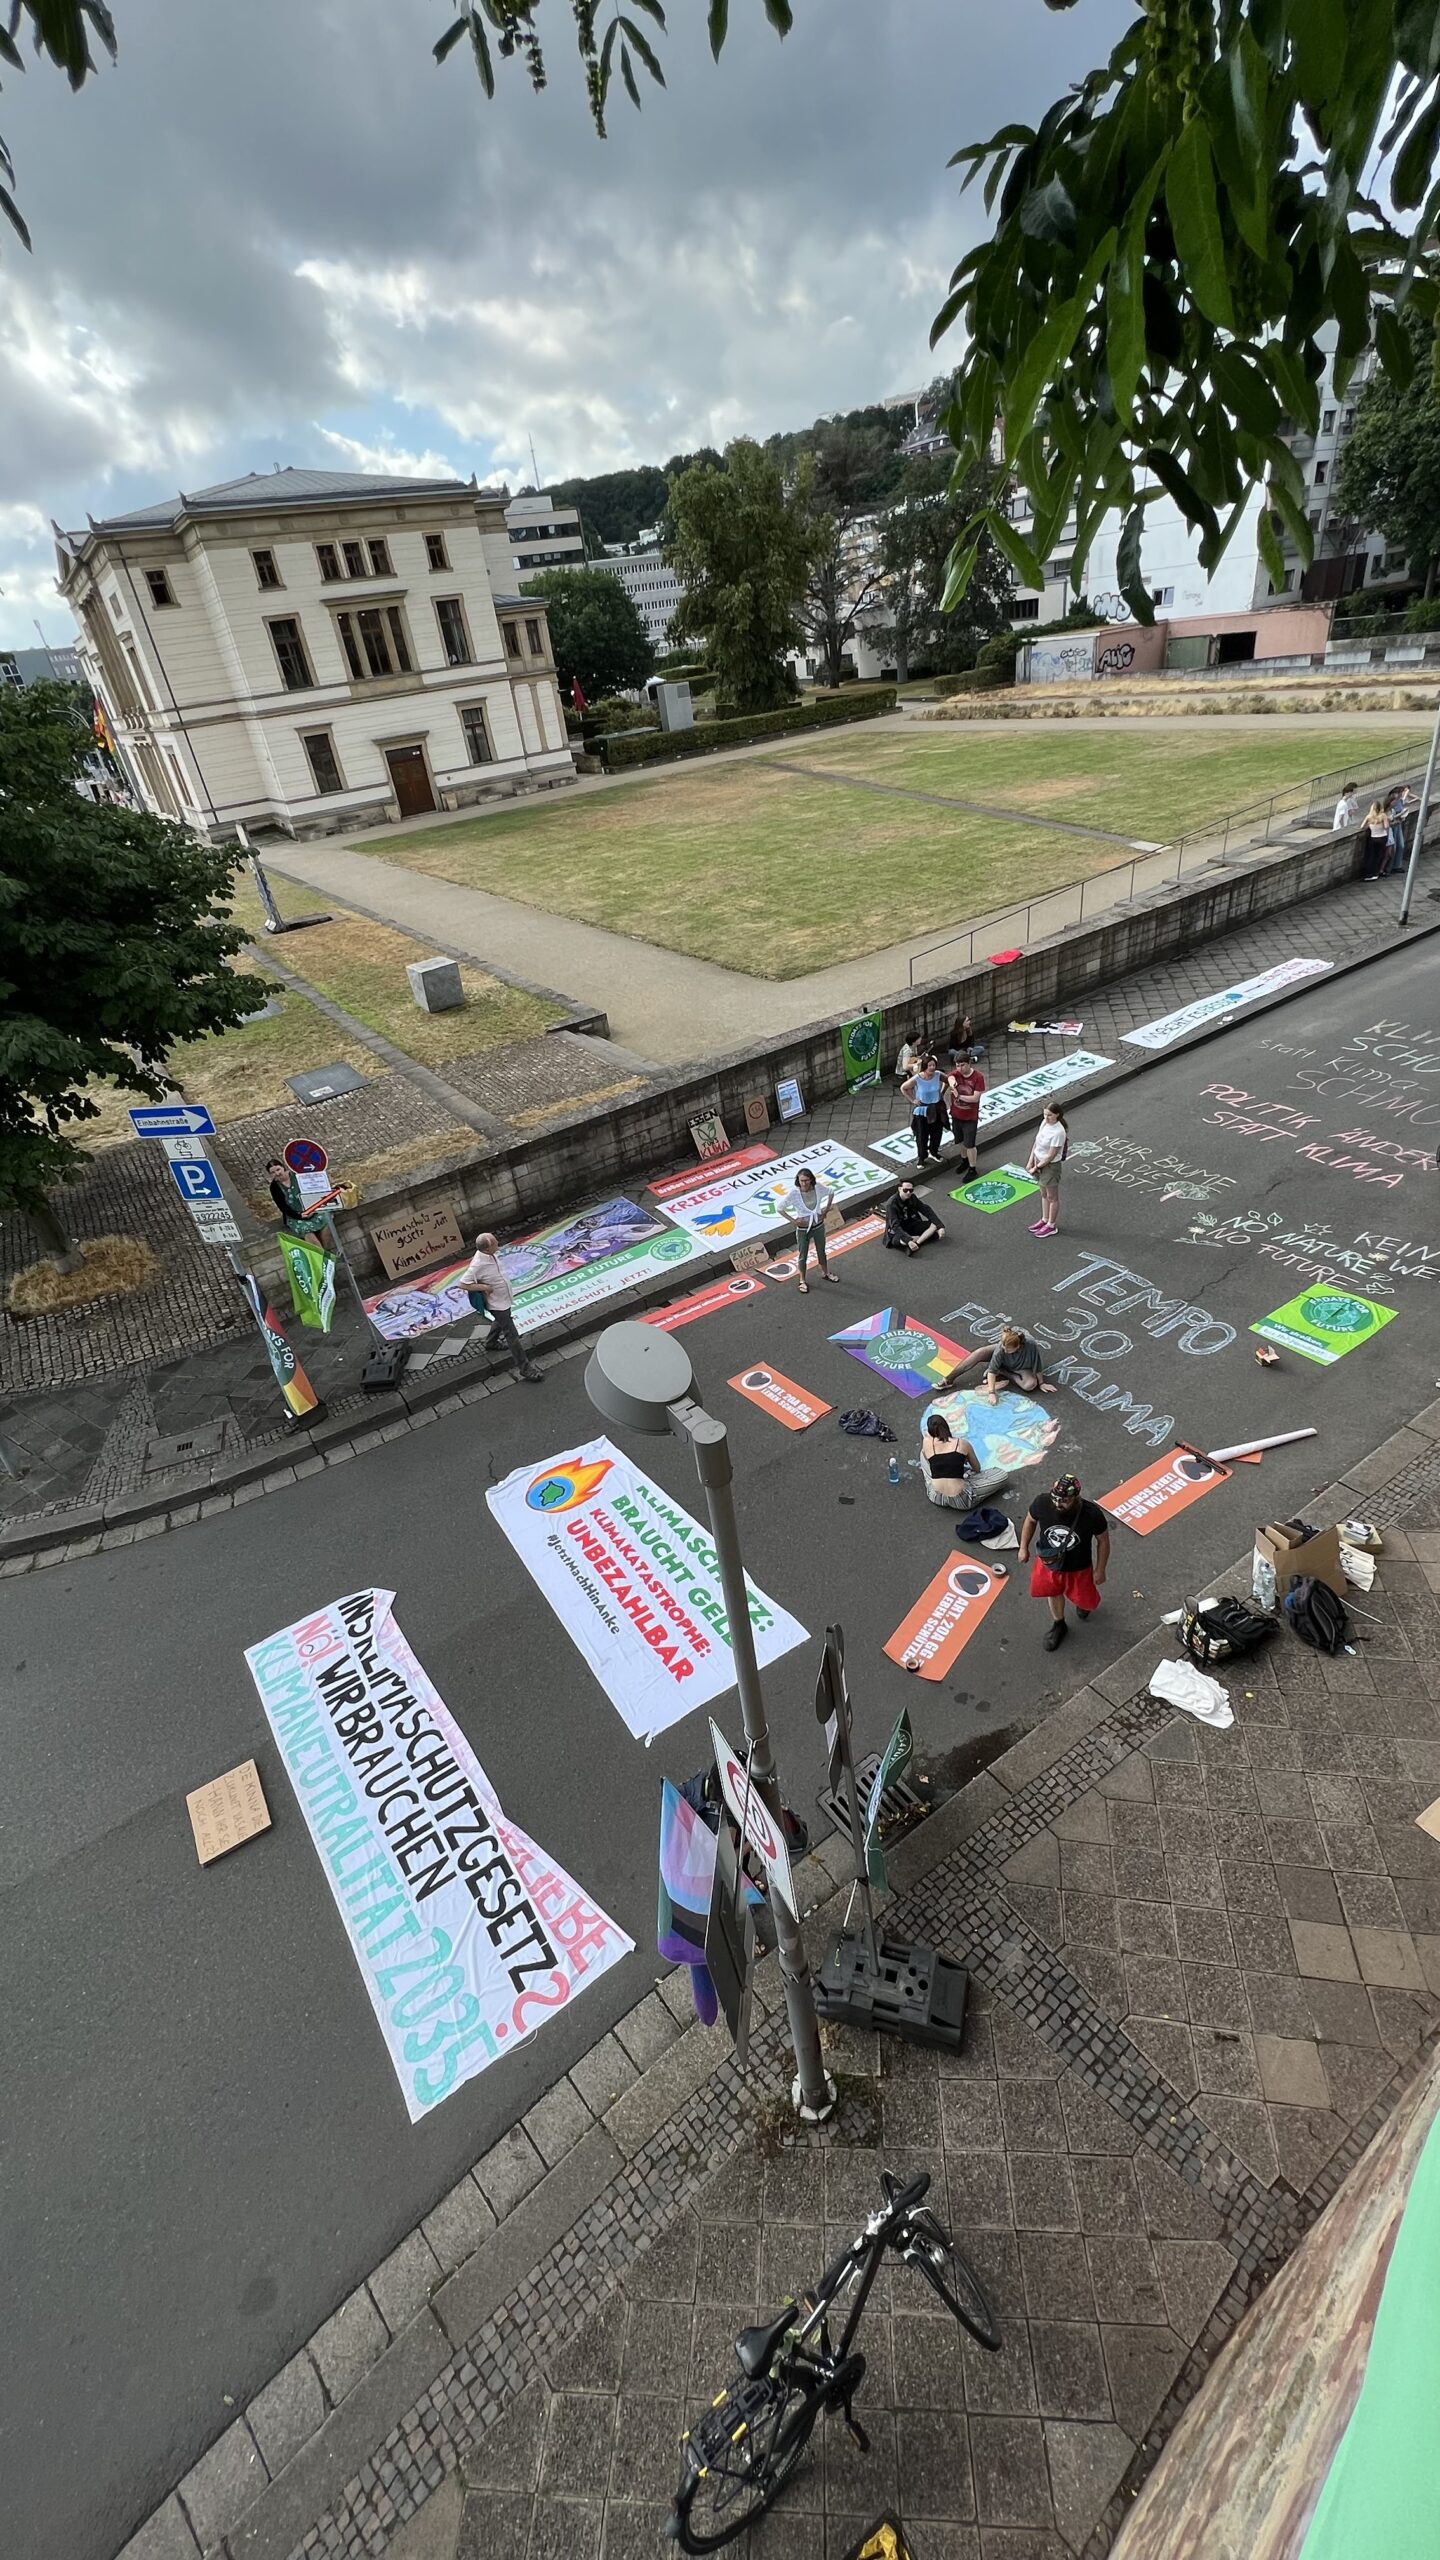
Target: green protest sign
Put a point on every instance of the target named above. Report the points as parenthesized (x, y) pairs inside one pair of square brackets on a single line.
[(998, 1190), (860, 1048), (1323, 1324), (312, 1281), (895, 1759)]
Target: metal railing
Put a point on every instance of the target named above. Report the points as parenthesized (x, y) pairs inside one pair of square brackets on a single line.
[(1056, 911)]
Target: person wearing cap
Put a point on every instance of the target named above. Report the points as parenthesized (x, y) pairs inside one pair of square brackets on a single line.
[(489, 1293), (1065, 1539)]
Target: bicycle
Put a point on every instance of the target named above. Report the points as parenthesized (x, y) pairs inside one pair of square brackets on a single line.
[(739, 2456)]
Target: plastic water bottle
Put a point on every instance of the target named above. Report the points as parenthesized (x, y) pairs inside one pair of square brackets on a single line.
[(894, 1469)]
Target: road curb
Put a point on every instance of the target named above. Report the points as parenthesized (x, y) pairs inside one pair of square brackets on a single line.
[(358, 2379)]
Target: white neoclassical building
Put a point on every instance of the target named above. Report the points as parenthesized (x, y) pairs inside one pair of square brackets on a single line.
[(309, 651)]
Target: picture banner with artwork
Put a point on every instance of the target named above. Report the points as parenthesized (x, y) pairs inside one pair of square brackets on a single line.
[(740, 1205), (1168, 1486), (1021, 1094), (1323, 1324), (635, 1583), (578, 1263), (911, 1356), (468, 1937)]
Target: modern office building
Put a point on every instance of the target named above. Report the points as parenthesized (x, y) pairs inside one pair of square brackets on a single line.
[(544, 533)]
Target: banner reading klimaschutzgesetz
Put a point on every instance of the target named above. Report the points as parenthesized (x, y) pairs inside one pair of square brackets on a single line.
[(468, 1937), (634, 1581)]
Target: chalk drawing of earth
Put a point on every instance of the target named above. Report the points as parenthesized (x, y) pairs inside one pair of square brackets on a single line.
[(1014, 1431), (1337, 1315)]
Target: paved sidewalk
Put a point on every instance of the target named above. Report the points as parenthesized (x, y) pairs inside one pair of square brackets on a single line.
[(61, 1439), (1204, 1967)]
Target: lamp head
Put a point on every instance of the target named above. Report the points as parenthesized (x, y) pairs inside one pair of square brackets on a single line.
[(635, 1373)]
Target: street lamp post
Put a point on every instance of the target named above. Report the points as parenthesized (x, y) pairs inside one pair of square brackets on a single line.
[(1421, 815), (640, 1378)]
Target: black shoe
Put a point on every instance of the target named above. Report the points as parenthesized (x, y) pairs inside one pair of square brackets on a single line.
[(1056, 1635), (533, 1377), (1084, 1613)]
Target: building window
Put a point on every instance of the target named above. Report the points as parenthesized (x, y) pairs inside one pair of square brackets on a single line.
[(1377, 565), (290, 656), (435, 552), (327, 559), (1315, 518), (325, 770), (354, 559), (477, 735), (1327, 423), (532, 634), (159, 586), (1322, 472), (1162, 595), (1348, 420), (1025, 609), (115, 607), (267, 575), (454, 638), (380, 635), (380, 560), (509, 633), (141, 682)]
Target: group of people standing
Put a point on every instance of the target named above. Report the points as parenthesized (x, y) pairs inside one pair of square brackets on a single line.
[(1381, 827), (938, 1096)]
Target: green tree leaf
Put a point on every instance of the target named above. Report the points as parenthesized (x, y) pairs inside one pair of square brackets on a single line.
[(1195, 221)]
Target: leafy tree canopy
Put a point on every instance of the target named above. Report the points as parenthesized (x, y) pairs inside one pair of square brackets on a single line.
[(595, 630), (1390, 469), (923, 625), (743, 547), (114, 943), (1175, 245)]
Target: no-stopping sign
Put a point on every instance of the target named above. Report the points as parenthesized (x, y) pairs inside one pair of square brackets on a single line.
[(754, 1818)]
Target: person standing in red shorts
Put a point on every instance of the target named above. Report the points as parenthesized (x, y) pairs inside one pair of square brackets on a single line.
[(963, 1088), (1066, 1541)]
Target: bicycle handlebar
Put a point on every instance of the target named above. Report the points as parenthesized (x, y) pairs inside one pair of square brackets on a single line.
[(899, 2198)]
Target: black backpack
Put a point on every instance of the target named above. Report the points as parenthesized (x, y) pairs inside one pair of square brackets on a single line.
[(1317, 1614), (1216, 1630)]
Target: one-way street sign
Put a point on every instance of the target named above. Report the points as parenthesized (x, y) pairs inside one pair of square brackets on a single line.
[(172, 1120)]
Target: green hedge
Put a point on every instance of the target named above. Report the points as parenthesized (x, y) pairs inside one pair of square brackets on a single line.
[(654, 746), (974, 680)]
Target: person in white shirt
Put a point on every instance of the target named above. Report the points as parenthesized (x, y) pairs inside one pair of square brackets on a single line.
[(1347, 810), (806, 1203), (489, 1293), (1047, 1156)]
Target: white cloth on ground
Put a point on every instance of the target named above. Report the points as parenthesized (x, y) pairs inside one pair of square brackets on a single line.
[(1184, 1685)]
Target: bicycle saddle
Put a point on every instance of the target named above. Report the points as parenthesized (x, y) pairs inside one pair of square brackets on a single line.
[(755, 2347)]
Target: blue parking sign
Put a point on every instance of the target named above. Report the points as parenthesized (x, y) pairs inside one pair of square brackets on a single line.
[(195, 1181)]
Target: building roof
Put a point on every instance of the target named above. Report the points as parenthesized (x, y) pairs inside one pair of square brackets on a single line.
[(269, 489)]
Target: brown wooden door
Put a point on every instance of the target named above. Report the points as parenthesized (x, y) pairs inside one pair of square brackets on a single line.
[(411, 777)]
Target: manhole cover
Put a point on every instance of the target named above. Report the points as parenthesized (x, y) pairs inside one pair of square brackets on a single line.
[(324, 1083), (187, 1448)]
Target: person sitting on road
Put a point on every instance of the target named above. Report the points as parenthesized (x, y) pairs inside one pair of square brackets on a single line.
[(910, 1221), (954, 1477), (1016, 1360)]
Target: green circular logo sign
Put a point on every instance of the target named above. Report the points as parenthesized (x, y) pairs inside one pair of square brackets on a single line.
[(863, 1039), (670, 1249), (1337, 1315), (904, 1350), (990, 1192)]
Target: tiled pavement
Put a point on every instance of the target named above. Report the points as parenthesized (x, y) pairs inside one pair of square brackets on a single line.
[(1203, 1967)]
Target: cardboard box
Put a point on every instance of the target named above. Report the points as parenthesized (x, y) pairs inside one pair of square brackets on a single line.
[(1295, 1559), (227, 1811)]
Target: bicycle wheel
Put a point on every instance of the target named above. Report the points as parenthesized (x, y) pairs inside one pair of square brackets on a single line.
[(738, 2459), (931, 2250)]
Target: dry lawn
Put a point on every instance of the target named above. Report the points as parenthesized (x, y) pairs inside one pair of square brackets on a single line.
[(110, 1267)]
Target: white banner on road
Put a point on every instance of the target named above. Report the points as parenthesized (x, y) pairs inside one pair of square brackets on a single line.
[(1173, 1026), (1036, 1086), (468, 1937), (634, 1581), (745, 1204)]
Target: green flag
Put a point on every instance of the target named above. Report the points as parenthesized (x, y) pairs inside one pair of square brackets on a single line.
[(312, 1281), (895, 1759), (860, 1048)]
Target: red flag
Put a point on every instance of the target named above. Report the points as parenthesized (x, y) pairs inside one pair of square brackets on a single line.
[(577, 696)]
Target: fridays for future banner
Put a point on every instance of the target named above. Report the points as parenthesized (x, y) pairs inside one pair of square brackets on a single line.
[(747, 1204), (468, 1937), (634, 1582)]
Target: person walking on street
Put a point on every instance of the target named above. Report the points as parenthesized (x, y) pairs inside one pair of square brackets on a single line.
[(1066, 1541), (1044, 1164), (1016, 1360), (954, 1477), (910, 1221), (924, 1089), (806, 1204), (963, 1088), (489, 1293)]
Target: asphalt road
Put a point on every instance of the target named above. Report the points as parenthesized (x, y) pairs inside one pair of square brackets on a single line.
[(207, 2145)]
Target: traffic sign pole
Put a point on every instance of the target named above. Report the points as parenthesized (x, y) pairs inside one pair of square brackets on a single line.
[(832, 1707)]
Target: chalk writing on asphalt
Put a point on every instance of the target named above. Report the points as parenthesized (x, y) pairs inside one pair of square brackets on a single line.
[(1138, 1168), (1379, 1261), (1105, 1287), (1248, 1117)]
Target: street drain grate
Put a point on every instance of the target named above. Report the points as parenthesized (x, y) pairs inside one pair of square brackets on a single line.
[(187, 1448), (900, 1804)]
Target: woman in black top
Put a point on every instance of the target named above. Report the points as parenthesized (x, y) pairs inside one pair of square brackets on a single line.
[(954, 1477)]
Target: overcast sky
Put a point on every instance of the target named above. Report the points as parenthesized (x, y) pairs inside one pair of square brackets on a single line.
[(279, 233)]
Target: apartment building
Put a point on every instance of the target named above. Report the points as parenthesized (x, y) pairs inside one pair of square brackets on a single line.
[(544, 533), (310, 651), (652, 586), (21, 667)]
